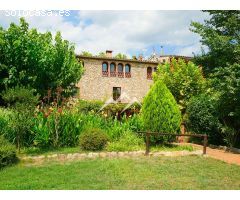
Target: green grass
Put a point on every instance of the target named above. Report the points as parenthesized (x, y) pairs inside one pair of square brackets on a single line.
[(190, 172), (33, 151), (171, 147)]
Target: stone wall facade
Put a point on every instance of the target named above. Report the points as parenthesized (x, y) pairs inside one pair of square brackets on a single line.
[(94, 86)]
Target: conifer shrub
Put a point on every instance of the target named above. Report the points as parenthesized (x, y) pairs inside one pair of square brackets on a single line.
[(160, 112)]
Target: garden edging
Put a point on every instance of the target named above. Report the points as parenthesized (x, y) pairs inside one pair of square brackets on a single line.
[(93, 155)]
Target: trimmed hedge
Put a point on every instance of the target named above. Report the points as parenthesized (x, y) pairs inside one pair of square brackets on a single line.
[(7, 153), (93, 139)]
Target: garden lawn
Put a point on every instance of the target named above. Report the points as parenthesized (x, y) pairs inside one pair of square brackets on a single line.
[(190, 172)]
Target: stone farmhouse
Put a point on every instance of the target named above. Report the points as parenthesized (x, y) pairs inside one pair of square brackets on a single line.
[(122, 80)]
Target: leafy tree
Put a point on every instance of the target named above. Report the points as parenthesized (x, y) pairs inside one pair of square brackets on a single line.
[(221, 36), (183, 79), (160, 111), (86, 53), (134, 57), (36, 59), (202, 117), (226, 83), (222, 63), (121, 56), (102, 54)]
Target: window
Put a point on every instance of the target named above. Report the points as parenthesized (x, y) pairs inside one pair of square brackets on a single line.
[(120, 70), (112, 67), (116, 93), (127, 71), (127, 68), (155, 69), (120, 67), (105, 69), (149, 73)]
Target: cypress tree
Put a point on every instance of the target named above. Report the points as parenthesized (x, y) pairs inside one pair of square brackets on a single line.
[(160, 112)]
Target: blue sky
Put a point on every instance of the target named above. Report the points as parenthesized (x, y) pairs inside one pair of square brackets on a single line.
[(129, 32)]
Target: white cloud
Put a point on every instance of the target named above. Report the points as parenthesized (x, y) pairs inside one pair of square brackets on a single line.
[(123, 31)]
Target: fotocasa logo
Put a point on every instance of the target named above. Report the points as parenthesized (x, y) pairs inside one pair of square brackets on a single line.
[(124, 97)]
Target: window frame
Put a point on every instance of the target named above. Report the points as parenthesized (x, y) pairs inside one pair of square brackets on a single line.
[(119, 95), (105, 73), (149, 73)]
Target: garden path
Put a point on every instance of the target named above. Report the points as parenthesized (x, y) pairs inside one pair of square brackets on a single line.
[(229, 157)]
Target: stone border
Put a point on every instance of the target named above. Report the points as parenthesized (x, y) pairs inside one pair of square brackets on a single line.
[(93, 155)]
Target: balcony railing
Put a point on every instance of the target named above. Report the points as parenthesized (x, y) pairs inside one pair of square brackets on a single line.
[(149, 76), (121, 74), (113, 74), (105, 73), (127, 74)]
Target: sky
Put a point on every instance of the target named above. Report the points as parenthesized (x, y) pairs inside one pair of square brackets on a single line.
[(128, 32)]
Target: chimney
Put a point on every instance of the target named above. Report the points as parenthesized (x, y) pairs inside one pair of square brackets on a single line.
[(140, 57), (109, 53)]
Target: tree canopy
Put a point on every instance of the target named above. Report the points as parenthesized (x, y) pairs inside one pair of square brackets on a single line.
[(121, 56), (221, 63), (31, 58), (86, 53), (183, 79), (221, 35)]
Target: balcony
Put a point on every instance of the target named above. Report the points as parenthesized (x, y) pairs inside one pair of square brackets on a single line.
[(105, 73), (149, 76), (121, 74), (127, 74), (113, 74)]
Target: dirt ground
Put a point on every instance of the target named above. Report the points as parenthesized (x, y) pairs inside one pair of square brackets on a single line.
[(229, 157)]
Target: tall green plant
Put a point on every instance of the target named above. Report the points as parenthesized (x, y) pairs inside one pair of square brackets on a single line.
[(160, 111)]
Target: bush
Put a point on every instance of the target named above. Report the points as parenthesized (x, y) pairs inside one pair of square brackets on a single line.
[(93, 140), (22, 102), (201, 117), (127, 142), (5, 118), (160, 112), (7, 153), (89, 106)]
